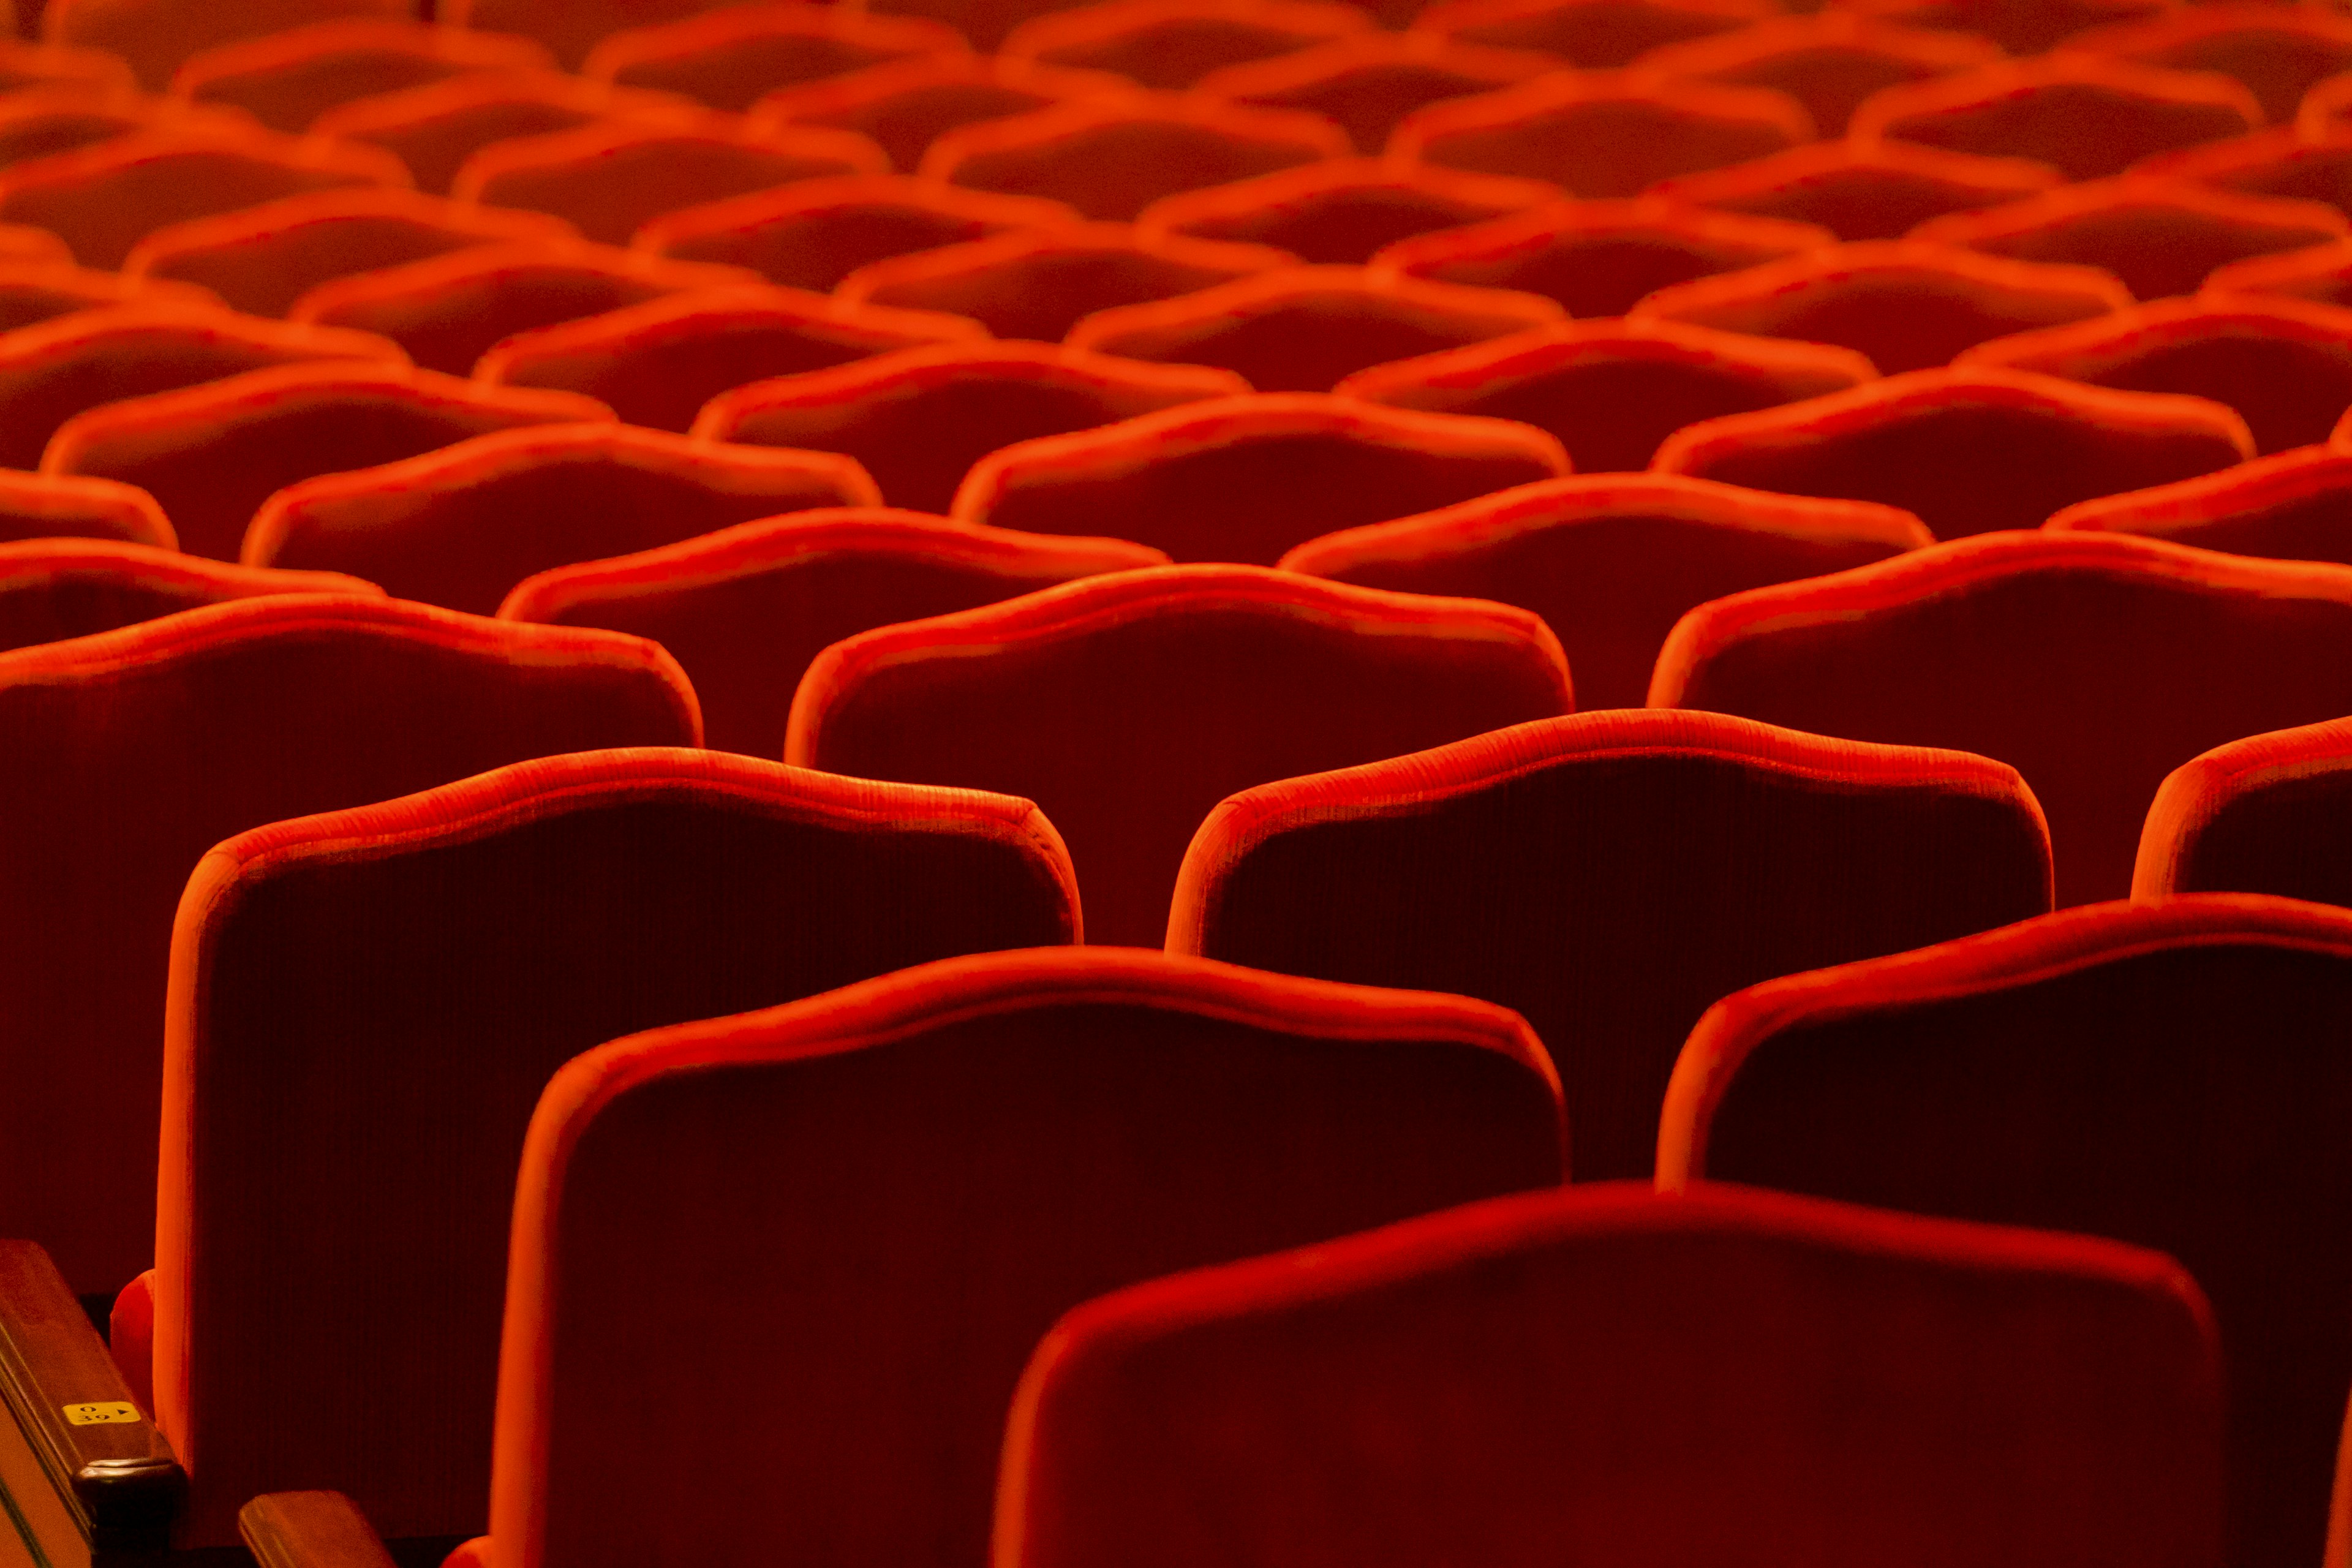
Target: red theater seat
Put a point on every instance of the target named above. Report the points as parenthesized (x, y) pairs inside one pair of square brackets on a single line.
[(1611, 390), (450, 310), (2279, 52), (460, 526), (2280, 161), (435, 128), (135, 751), (865, 1139), (23, 243), (1602, 134), (212, 454), (2094, 663), (287, 79), (1869, 190), (745, 608), (2020, 26), (1610, 876), (263, 258), (53, 506), (814, 233), (2161, 1075), (569, 28), (610, 179), (2159, 235), (1113, 157), (658, 362), (56, 118), (2285, 365), (41, 288), (64, 366), (1128, 705), (2318, 272), (1341, 210), (1244, 478), (1903, 304), (1829, 61), (987, 22), (104, 199), (2256, 816), (905, 106), (1597, 259), (156, 35), (456, 949), (1172, 44), (1610, 562), (1600, 33), (2295, 506), (52, 589), (918, 419), (1040, 285), (25, 64), (1729, 1376), (1967, 451), (1366, 82), (728, 58)]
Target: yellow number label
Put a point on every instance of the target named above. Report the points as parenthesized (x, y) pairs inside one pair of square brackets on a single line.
[(99, 1414)]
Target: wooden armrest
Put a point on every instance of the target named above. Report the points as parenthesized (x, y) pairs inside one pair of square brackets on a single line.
[(116, 1475), (310, 1530)]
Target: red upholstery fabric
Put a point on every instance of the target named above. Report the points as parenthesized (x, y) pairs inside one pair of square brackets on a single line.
[(2160, 237), (745, 608), (450, 311), (2096, 663), (1367, 81), (263, 258), (50, 506), (1172, 44), (1112, 158), (1902, 304), (2291, 506), (1596, 33), (1829, 61), (461, 526), (1129, 705), (814, 233), (1244, 478), (135, 751), (568, 27), (212, 454), (2325, 105), (25, 63), (1305, 329), (156, 35), (2256, 816), (1611, 390), (104, 199), (2285, 365), (1732, 1376), (334, 1219), (2160, 1074), (1610, 876), (1867, 190), (1969, 451), (1598, 257), (1040, 285), (2279, 54), (39, 289), (2020, 26), (864, 1139), (609, 179), (1341, 210), (917, 419), (289, 78), (435, 128), (1610, 562), (658, 362), (21, 243), (986, 23), (51, 371), (56, 118), (1602, 134), (2281, 161), (52, 589), (906, 106), (2319, 272), (727, 58)]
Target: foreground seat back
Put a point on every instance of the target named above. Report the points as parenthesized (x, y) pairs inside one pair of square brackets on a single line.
[(1128, 705), (135, 751), (1610, 876), (1729, 1376), (2171, 1075), (367, 1004), (864, 1209), (2094, 664)]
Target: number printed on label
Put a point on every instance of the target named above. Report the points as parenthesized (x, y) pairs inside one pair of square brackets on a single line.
[(101, 1413)]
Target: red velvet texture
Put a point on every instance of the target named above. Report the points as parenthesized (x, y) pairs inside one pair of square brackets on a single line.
[(51, 506), (1367, 82), (1610, 876), (2257, 816), (1628, 1381), (1128, 705), (745, 608), (727, 61), (290, 77), (2093, 663), (2166, 1074), (138, 750), (52, 589), (859, 1213), (2291, 505), (907, 104), (366, 1005)]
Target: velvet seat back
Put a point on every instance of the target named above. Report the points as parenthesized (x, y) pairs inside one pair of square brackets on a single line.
[(2094, 664), (52, 589), (2256, 816), (1610, 876), (1624, 1381), (1128, 705), (857, 1214), (365, 1005), (2170, 1075)]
